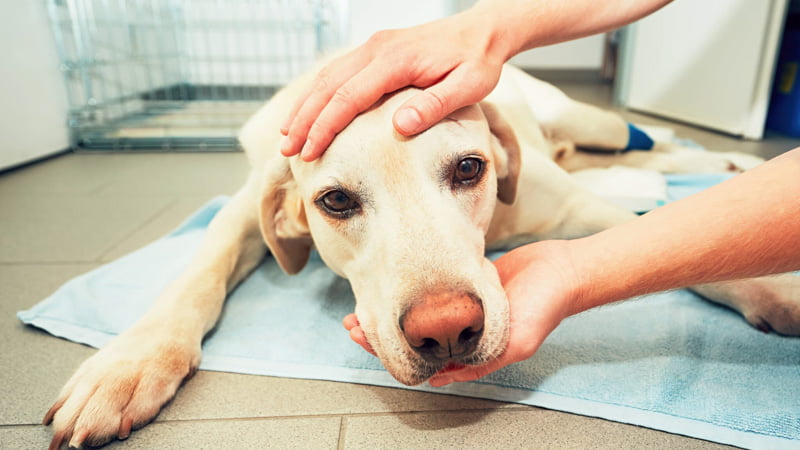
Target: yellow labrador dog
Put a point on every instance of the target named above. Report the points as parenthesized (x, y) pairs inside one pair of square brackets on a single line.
[(407, 221)]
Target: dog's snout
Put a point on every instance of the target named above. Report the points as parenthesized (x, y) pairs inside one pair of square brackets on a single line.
[(444, 326)]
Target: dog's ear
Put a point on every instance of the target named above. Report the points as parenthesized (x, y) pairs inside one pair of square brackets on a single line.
[(282, 217), (506, 153)]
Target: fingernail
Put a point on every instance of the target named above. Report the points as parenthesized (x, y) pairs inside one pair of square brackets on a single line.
[(286, 146), (305, 153), (408, 120)]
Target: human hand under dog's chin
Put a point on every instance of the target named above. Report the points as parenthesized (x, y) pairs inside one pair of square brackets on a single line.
[(538, 281), (350, 322)]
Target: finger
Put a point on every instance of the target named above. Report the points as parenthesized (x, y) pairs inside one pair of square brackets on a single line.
[(353, 97), (358, 336), (308, 106), (301, 122), (469, 373), (461, 87), (350, 321)]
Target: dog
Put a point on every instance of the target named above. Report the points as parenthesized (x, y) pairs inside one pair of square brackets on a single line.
[(407, 220)]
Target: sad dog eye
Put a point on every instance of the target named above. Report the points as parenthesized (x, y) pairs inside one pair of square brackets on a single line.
[(338, 204), (468, 171)]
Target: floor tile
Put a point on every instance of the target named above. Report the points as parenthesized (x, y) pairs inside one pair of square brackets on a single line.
[(529, 428), (227, 395), (157, 226), (297, 433), (175, 173), (70, 173), (65, 228), (34, 364), (25, 437)]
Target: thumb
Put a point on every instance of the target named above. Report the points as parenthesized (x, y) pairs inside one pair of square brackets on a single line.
[(468, 373), (459, 88)]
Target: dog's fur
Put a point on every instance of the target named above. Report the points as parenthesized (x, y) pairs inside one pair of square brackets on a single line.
[(407, 222)]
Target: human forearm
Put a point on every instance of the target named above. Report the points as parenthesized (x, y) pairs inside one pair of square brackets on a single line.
[(526, 24), (748, 226)]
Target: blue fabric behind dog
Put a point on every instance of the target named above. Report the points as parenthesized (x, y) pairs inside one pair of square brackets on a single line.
[(668, 361)]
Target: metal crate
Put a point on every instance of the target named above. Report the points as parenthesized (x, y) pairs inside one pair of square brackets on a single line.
[(181, 74)]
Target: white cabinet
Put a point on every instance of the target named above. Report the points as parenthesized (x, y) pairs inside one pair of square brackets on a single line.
[(705, 62), (33, 104)]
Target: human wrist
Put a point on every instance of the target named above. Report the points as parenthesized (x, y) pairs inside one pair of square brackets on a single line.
[(589, 286), (500, 42), (544, 271)]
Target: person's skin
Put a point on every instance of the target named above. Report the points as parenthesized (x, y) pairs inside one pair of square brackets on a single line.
[(457, 60), (745, 227)]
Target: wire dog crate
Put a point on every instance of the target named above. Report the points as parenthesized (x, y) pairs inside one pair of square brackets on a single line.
[(181, 74)]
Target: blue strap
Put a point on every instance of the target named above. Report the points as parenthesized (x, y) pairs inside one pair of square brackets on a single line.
[(638, 139)]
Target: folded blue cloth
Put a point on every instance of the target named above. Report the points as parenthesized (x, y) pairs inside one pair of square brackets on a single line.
[(669, 361)]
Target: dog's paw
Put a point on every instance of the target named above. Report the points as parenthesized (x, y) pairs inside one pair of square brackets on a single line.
[(121, 388), (774, 304), (768, 303)]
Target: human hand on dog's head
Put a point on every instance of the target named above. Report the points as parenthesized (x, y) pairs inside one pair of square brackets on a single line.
[(539, 283), (461, 69)]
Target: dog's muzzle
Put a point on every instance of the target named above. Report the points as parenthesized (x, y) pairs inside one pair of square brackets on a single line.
[(444, 326)]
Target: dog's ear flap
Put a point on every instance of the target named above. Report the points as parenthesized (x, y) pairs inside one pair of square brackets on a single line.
[(505, 148), (282, 217)]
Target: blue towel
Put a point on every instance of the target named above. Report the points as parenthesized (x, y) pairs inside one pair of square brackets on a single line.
[(669, 361)]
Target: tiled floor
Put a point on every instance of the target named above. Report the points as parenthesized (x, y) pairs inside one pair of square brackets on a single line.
[(72, 213)]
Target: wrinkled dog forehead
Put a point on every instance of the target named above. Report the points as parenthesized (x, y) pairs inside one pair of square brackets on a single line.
[(370, 146)]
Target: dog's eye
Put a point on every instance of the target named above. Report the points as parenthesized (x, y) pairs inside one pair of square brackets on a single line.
[(338, 203), (468, 171)]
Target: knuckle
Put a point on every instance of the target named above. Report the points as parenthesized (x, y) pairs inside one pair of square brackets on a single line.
[(380, 38), (434, 104), (324, 80), (344, 97), (323, 75)]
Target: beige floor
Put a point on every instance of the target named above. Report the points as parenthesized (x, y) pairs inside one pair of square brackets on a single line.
[(70, 214)]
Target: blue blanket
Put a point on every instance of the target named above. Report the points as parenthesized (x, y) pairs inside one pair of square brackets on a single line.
[(669, 361)]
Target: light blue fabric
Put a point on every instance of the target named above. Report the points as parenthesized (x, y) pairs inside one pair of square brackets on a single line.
[(668, 361)]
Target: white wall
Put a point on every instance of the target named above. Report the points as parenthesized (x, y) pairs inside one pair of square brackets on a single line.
[(583, 54), (368, 16), (33, 105)]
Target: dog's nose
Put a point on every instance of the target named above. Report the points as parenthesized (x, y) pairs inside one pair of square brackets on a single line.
[(444, 326)]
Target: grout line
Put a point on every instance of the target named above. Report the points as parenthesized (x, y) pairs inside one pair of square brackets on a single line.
[(101, 258), (50, 263), (342, 429), (8, 426), (345, 416)]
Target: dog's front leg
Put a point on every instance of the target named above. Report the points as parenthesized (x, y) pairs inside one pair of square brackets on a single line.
[(125, 384)]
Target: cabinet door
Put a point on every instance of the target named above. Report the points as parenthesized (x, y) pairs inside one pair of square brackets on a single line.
[(33, 104), (708, 63)]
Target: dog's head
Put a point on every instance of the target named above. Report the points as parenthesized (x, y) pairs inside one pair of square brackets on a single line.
[(404, 220)]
